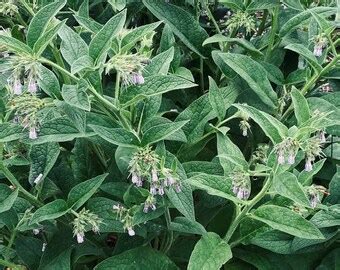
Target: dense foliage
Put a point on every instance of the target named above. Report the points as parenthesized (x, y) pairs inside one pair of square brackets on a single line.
[(179, 134)]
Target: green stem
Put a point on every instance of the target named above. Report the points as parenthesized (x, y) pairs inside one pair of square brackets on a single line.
[(16, 183), (211, 17), (60, 62), (27, 7), (248, 207), (337, 17), (202, 74), (311, 82), (117, 89), (171, 233)]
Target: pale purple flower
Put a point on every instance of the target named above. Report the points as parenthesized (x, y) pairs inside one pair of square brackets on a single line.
[(178, 188), (32, 86), (147, 206), (153, 190), (36, 231), (131, 231), (308, 165), (134, 178), (33, 133), (161, 190), (154, 175), (318, 49), (17, 87), (291, 159), (80, 238), (281, 158), (244, 132), (242, 193), (137, 78), (171, 181), (314, 200), (322, 137)]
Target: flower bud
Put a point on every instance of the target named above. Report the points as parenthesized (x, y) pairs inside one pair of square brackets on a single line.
[(137, 78), (33, 133), (131, 231), (80, 238)]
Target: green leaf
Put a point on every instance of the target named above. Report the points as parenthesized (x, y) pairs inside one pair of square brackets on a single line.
[(117, 136), (72, 46), (46, 38), (327, 218), (285, 220), (287, 185), (252, 72), (138, 258), (239, 41), (48, 82), (210, 252), (49, 211), (101, 42), (184, 225), (306, 53), (272, 127), (161, 132), (89, 24), (154, 85), (84, 62), (84, 191), (182, 23), (75, 95), (14, 45), (302, 17), (263, 4), (41, 20), (216, 99), (10, 132), (130, 39), (160, 64), (58, 130), (183, 201), (7, 197), (301, 108), (43, 157), (215, 185)]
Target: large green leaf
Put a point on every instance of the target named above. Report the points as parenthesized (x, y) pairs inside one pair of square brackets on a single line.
[(160, 64), (72, 46), (75, 95), (216, 99), (84, 191), (286, 220), (210, 252), (272, 127), (14, 45), (48, 82), (117, 136), (138, 258), (301, 108), (41, 20), (46, 38), (154, 85), (185, 225), (7, 197), (306, 53), (10, 132), (101, 42), (251, 71), (182, 23), (286, 184), (43, 157), (50, 211), (216, 185), (161, 132)]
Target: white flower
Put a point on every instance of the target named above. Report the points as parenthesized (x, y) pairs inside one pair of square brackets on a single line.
[(38, 179), (80, 238), (131, 231)]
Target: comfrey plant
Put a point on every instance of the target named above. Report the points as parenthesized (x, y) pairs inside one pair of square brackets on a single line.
[(150, 134)]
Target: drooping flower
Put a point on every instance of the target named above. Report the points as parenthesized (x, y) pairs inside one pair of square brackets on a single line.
[(240, 185), (131, 231), (154, 175), (308, 165), (17, 87), (32, 86), (137, 78), (33, 135), (149, 204), (36, 231), (43, 247), (80, 238), (319, 44)]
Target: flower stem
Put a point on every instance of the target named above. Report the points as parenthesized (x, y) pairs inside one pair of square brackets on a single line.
[(117, 89), (249, 206)]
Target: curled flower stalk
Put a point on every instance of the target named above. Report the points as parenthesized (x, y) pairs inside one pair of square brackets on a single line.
[(85, 220), (241, 185)]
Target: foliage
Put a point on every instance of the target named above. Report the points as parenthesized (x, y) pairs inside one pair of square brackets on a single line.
[(173, 134)]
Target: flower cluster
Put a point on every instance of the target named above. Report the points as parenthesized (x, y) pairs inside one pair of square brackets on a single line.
[(8, 7), (314, 193), (26, 108), (287, 149), (145, 167), (241, 185), (129, 66), (241, 20), (313, 148), (244, 127), (124, 216), (84, 220)]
